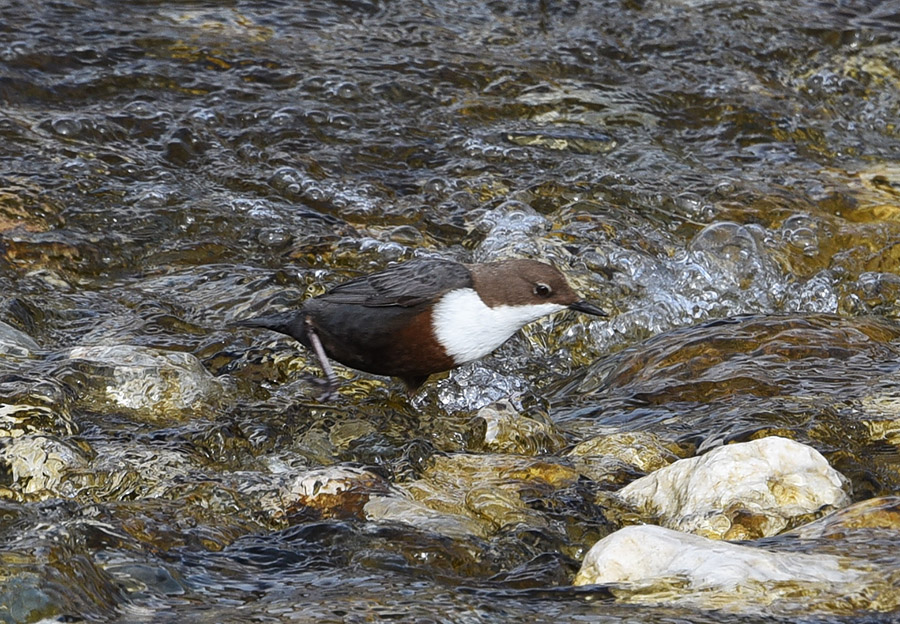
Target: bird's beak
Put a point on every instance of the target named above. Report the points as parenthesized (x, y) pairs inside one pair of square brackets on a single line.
[(587, 308)]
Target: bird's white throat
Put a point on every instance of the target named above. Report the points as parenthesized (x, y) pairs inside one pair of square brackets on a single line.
[(469, 329)]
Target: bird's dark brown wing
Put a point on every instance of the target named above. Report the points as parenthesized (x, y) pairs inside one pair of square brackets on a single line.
[(406, 285)]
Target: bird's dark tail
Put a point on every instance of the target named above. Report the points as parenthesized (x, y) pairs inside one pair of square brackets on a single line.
[(290, 323)]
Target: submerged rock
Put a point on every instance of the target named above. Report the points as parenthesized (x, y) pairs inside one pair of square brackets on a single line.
[(616, 459), (16, 343), (17, 420), (875, 514), (39, 466), (642, 450), (332, 492), (651, 564), (494, 491), (349, 492), (508, 431), (740, 491), (147, 383), (398, 508)]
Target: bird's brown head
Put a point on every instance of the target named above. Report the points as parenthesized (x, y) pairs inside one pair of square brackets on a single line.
[(526, 282)]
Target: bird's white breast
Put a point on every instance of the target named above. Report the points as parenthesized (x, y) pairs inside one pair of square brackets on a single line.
[(469, 329)]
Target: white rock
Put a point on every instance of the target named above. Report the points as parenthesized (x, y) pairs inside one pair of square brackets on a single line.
[(650, 564), (739, 491), (642, 553)]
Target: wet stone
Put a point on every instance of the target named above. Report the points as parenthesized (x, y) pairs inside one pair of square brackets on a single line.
[(18, 420), (146, 383), (642, 450), (39, 466), (416, 514), (332, 492), (44, 250), (650, 564), (32, 403), (24, 207), (144, 578), (616, 459), (495, 491), (46, 578), (508, 431), (23, 599), (128, 470), (740, 491), (881, 513), (16, 343)]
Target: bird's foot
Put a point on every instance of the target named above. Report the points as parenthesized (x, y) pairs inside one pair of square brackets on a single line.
[(331, 381), (326, 389)]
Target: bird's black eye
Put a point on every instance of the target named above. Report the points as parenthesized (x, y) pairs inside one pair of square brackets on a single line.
[(542, 290)]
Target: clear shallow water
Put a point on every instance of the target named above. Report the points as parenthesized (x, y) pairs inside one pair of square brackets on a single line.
[(169, 167)]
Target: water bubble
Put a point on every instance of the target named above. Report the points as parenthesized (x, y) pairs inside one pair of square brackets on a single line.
[(436, 186), (406, 235), (801, 232), (341, 121), (206, 116), (729, 244), (476, 386), (816, 294), (249, 206), (694, 207), (13, 50), (314, 193), (315, 83), (78, 167), (66, 126), (464, 200), (878, 291), (386, 250), (288, 180), (285, 117), (516, 154), (275, 238), (595, 260), (346, 90), (728, 267), (316, 117), (725, 188), (513, 228), (141, 109)]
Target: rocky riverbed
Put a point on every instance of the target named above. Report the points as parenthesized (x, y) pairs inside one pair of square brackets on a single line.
[(722, 177)]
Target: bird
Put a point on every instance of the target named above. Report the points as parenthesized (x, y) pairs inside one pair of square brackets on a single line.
[(424, 316)]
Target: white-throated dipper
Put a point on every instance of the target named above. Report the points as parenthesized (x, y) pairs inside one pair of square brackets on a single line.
[(424, 316)]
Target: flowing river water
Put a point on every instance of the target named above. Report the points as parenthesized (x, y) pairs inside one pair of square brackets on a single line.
[(722, 176)]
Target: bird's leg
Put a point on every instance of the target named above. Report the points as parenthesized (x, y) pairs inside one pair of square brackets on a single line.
[(331, 380)]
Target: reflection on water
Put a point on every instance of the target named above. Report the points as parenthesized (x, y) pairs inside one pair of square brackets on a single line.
[(721, 175)]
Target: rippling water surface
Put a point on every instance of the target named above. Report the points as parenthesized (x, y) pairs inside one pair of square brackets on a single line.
[(722, 176)]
